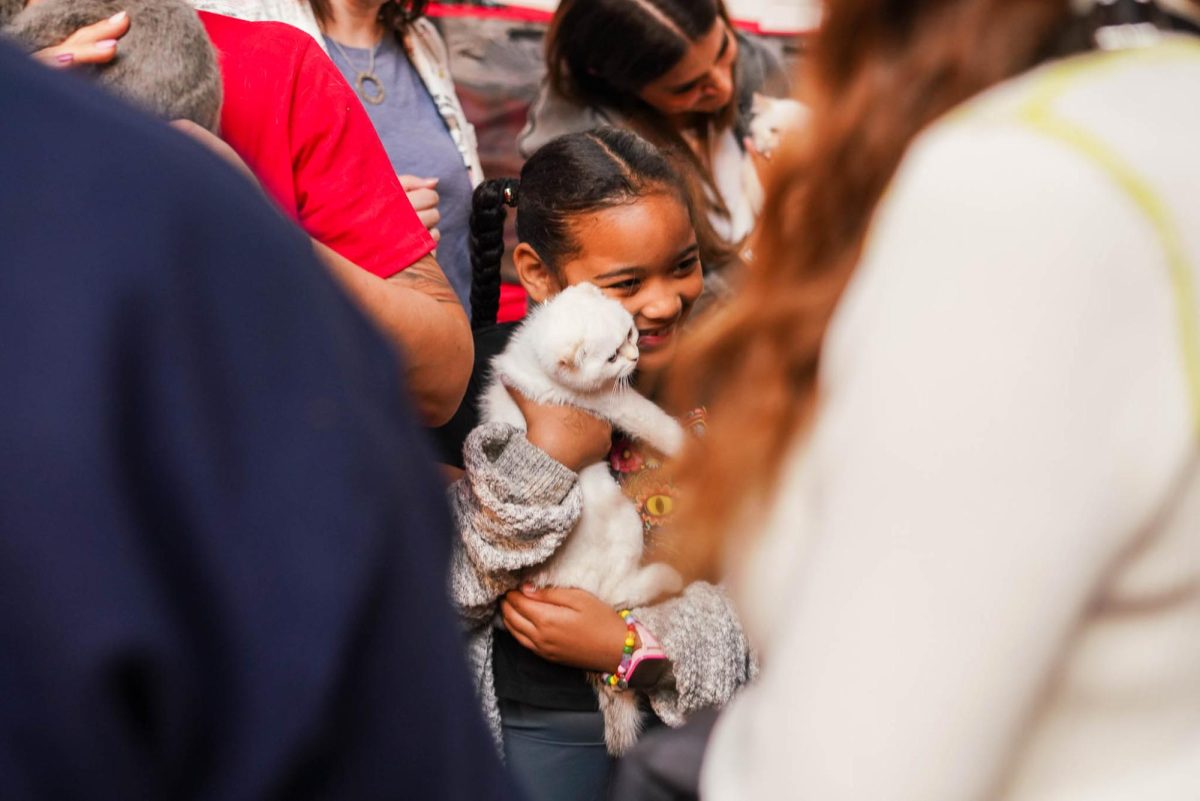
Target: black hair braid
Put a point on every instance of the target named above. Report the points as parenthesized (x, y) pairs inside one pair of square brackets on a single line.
[(487, 247)]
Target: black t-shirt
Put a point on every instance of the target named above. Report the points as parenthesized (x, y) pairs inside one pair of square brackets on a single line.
[(448, 439), (521, 675)]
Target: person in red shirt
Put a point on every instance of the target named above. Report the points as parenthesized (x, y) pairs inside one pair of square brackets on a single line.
[(291, 116), (288, 114)]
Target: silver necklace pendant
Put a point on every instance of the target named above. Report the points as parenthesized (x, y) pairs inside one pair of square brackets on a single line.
[(375, 96)]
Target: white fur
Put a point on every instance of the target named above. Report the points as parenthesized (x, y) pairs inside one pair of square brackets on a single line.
[(580, 349), (772, 119)]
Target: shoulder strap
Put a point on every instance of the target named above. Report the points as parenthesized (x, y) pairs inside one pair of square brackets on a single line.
[(1040, 114)]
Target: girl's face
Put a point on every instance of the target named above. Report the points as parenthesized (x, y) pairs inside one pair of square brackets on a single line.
[(644, 255), (702, 81)]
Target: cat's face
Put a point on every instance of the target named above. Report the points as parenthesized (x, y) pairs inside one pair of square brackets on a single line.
[(643, 255), (586, 340)]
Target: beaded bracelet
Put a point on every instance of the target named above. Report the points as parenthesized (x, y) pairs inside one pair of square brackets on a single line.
[(619, 680)]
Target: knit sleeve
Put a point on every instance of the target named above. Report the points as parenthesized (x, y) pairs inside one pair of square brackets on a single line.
[(513, 508), (710, 657)]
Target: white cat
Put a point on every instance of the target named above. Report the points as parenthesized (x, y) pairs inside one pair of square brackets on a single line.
[(772, 119), (580, 349)]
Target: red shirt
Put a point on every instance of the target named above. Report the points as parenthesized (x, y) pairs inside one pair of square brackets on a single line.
[(295, 121)]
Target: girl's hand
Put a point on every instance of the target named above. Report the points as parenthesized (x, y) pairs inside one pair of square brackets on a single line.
[(93, 44), (570, 436), (568, 626), (422, 194)]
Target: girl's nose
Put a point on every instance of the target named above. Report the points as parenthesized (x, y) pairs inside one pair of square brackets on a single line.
[(663, 308), (720, 84)]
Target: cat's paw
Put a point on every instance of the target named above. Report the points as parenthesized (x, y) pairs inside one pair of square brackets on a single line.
[(657, 580), (669, 580), (668, 439)]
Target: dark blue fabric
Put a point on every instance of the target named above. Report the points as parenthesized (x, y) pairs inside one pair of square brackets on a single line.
[(556, 754), (222, 545)]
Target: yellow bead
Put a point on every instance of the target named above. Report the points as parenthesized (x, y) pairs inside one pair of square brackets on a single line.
[(630, 641)]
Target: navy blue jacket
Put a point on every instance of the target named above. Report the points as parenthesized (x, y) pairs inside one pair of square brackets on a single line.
[(222, 542)]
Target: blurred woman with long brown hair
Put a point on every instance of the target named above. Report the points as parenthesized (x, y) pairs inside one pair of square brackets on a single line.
[(959, 404)]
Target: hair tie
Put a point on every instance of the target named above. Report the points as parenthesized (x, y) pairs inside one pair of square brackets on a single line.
[(510, 195)]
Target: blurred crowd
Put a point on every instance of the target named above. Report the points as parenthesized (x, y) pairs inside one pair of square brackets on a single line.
[(903, 413)]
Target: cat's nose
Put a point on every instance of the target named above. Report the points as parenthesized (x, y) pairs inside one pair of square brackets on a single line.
[(629, 351)]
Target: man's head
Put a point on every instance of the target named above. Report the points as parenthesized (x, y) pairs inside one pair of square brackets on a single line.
[(165, 63)]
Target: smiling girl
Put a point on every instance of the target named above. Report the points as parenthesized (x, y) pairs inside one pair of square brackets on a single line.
[(602, 207)]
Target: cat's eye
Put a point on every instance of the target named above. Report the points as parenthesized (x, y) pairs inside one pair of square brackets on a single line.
[(613, 358)]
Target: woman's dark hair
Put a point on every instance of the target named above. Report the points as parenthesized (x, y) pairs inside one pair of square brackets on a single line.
[(571, 175), (396, 15), (585, 64)]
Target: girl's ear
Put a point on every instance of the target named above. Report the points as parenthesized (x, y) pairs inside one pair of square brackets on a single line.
[(536, 276)]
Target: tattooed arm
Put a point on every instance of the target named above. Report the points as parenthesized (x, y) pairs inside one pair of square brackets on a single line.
[(419, 312)]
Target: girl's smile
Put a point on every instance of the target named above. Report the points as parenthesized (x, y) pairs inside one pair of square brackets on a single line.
[(653, 339)]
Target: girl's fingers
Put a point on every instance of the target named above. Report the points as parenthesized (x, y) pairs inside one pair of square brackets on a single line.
[(93, 44), (423, 199), (65, 55), (114, 27), (525, 642), (522, 606), (55, 57), (429, 218), (559, 596), (411, 182), (516, 621)]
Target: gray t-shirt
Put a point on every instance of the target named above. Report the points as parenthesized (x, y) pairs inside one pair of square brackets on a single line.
[(417, 142)]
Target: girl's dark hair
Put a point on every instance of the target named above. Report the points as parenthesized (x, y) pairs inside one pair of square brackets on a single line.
[(571, 175), (396, 15), (584, 64)]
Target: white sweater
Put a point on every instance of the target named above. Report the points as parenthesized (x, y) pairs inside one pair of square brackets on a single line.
[(981, 575)]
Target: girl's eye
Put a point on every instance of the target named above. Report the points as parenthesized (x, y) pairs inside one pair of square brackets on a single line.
[(624, 286), (685, 267)]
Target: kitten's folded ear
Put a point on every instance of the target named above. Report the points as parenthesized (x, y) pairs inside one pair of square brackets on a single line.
[(569, 360)]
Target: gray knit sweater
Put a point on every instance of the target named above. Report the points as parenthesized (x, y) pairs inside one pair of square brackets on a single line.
[(514, 507)]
